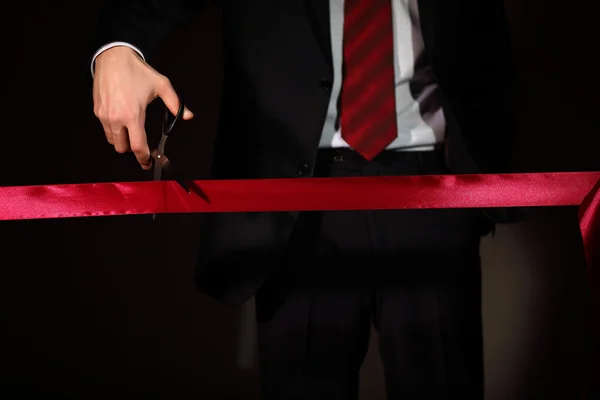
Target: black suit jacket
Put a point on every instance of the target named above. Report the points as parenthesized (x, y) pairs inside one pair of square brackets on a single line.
[(277, 81)]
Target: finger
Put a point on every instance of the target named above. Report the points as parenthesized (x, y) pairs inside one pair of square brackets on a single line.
[(139, 142), (187, 114), (168, 95), (108, 132), (120, 139)]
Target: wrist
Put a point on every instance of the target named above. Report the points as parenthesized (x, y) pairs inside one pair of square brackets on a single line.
[(116, 52), (118, 49)]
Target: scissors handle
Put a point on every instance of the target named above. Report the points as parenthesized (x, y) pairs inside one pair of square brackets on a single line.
[(170, 119)]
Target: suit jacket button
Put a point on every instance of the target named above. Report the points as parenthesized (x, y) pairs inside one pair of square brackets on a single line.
[(304, 170), (326, 84)]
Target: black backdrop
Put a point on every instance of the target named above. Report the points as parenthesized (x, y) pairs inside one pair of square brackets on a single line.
[(91, 307)]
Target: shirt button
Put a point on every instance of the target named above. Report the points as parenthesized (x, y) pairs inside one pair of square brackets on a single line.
[(303, 170), (326, 84)]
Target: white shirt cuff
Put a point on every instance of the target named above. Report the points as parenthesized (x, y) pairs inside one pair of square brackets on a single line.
[(110, 46)]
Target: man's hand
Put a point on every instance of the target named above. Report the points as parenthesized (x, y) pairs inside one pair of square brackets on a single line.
[(124, 85)]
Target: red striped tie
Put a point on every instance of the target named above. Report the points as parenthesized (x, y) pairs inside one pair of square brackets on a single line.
[(368, 107)]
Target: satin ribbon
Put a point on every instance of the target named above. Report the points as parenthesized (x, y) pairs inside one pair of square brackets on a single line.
[(303, 194), (363, 193)]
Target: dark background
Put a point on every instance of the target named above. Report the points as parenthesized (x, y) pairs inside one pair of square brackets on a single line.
[(104, 306)]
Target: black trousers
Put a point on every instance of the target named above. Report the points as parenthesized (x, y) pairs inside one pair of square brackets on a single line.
[(414, 275)]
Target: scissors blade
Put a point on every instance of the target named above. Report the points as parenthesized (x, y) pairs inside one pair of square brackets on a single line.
[(167, 167), (157, 171), (156, 155), (187, 185), (158, 165), (194, 188)]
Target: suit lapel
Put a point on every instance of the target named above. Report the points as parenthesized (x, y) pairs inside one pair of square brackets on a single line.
[(318, 15)]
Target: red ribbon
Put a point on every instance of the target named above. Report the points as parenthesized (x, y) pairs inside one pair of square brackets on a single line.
[(365, 193)]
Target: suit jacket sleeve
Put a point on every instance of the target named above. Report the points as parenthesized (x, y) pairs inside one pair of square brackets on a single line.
[(142, 23)]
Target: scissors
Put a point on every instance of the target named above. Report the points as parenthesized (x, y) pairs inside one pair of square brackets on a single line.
[(162, 162)]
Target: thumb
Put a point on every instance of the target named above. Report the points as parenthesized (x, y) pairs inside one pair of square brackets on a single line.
[(187, 114), (168, 95)]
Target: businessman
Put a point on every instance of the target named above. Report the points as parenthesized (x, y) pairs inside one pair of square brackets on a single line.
[(336, 88)]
